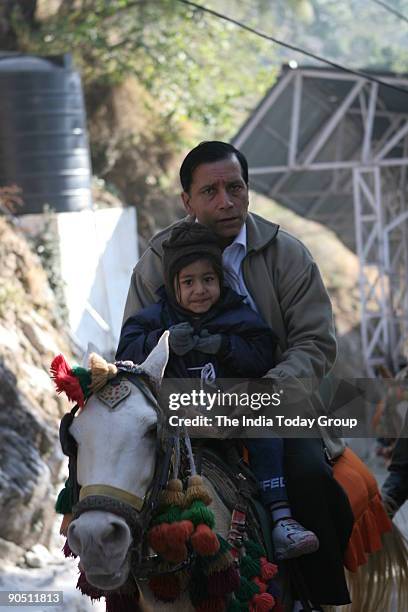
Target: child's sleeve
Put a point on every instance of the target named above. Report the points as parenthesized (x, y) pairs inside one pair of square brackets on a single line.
[(138, 337), (250, 354), (248, 345)]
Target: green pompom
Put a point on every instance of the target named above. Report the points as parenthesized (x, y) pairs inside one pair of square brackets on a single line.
[(247, 590), (249, 567), (172, 515), (63, 505), (199, 513), (253, 549), (84, 377)]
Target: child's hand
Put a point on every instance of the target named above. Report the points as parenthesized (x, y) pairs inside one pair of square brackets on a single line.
[(209, 343), (181, 339)]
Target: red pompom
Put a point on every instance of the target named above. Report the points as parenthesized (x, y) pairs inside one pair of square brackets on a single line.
[(263, 602), (156, 537), (268, 569), (178, 533), (204, 541), (169, 540), (65, 381)]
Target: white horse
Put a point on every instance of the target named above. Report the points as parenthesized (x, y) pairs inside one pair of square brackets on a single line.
[(117, 449)]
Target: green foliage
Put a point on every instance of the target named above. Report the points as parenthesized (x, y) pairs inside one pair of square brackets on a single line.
[(198, 67), (354, 33)]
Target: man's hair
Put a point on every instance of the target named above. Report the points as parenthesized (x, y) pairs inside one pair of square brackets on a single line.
[(206, 153)]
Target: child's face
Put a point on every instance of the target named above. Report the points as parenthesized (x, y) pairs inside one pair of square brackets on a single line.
[(197, 287)]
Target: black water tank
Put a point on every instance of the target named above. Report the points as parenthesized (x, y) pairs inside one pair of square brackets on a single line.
[(43, 140)]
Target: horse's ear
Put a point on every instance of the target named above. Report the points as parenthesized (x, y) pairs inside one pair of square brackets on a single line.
[(156, 362), (91, 348)]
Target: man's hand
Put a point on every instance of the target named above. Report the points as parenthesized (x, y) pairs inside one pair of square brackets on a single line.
[(209, 343), (182, 339)]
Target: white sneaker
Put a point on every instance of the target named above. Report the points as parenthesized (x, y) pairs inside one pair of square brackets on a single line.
[(291, 540)]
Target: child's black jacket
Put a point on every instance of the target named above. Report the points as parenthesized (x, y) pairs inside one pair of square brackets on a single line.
[(247, 348)]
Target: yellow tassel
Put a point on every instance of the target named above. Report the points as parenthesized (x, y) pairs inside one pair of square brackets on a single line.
[(196, 491), (101, 372), (173, 494)]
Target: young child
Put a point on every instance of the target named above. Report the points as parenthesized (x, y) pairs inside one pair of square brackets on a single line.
[(214, 334)]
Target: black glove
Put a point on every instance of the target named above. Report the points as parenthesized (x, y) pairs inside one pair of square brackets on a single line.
[(209, 343), (181, 339)]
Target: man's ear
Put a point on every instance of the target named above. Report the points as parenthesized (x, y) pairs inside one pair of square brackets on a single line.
[(186, 201)]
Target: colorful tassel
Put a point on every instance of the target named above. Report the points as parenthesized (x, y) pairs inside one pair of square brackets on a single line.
[(84, 377), (204, 541), (263, 602), (87, 589), (100, 371), (268, 569), (172, 495), (165, 587), (65, 381), (67, 551), (249, 567), (170, 532), (247, 590), (260, 584), (196, 491), (169, 540), (224, 582), (63, 505)]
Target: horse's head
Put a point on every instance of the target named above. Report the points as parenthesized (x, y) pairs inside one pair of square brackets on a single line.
[(115, 466)]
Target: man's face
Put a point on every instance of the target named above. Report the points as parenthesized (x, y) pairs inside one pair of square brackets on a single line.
[(218, 198)]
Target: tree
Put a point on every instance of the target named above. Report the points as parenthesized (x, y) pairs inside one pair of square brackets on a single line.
[(196, 66)]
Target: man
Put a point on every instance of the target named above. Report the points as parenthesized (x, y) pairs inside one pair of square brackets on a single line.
[(282, 282)]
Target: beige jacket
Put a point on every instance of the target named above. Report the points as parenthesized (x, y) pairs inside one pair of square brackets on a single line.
[(286, 285)]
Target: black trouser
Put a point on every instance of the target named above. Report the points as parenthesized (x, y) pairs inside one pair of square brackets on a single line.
[(319, 503)]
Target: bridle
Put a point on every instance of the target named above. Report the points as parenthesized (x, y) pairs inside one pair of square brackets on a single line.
[(136, 511)]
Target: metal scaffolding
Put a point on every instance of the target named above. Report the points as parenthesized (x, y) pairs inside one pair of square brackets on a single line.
[(333, 147)]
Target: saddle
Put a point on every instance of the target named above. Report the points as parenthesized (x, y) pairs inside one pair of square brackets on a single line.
[(236, 486)]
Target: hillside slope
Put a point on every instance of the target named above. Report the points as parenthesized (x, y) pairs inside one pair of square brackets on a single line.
[(30, 335)]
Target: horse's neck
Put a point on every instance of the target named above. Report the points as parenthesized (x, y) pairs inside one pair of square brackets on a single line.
[(222, 524)]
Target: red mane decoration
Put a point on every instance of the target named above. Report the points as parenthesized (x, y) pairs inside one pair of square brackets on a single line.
[(65, 381)]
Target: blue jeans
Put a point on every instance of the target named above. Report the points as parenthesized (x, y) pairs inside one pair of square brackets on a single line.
[(266, 461)]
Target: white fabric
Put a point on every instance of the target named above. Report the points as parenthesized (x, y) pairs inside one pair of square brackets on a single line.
[(232, 263)]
